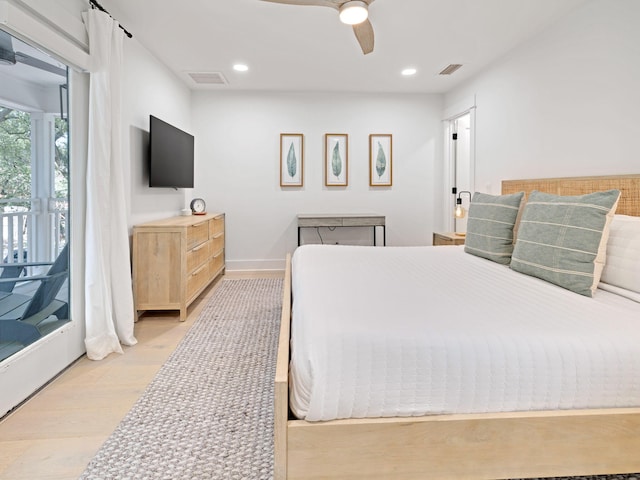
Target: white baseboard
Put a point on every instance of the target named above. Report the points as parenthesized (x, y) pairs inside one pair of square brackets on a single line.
[(237, 266)]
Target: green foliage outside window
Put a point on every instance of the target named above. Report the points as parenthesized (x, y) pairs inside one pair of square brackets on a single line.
[(62, 158), (15, 154)]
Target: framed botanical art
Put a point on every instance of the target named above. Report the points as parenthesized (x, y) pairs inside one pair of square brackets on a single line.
[(336, 159), (380, 160), (291, 159)]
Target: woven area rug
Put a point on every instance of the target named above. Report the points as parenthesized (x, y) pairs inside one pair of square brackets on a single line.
[(208, 414)]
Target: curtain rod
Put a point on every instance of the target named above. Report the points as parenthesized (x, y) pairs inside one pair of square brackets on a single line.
[(95, 4)]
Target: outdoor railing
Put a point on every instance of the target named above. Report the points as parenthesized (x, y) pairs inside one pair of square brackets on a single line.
[(17, 228)]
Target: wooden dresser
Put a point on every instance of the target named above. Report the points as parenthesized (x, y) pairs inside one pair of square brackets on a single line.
[(175, 259)]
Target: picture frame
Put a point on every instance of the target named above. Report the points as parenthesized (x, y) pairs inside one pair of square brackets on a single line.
[(291, 160), (336, 159), (380, 160)]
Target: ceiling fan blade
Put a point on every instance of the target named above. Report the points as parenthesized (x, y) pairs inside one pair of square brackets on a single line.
[(41, 64), (364, 34), (319, 3)]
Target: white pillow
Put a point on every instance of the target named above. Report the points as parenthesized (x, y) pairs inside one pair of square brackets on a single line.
[(622, 268), (623, 292)]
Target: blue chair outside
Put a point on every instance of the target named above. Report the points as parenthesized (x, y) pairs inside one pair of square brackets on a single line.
[(25, 318)]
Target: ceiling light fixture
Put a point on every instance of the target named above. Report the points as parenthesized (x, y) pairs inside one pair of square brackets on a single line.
[(407, 72), (354, 12), (240, 67)]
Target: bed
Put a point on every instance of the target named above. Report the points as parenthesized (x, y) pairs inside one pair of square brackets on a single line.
[(591, 428)]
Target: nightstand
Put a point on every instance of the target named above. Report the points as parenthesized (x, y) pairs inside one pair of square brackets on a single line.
[(448, 238)]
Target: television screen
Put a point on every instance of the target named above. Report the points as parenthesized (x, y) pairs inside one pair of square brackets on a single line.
[(170, 155)]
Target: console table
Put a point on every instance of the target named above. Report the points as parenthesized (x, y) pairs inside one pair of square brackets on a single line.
[(344, 220)]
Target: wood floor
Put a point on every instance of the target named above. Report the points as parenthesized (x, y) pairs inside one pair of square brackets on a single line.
[(54, 435)]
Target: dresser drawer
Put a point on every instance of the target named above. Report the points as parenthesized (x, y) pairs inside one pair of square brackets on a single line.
[(198, 256), (197, 279), (217, 243), (216, 263), (197, 234), (216, 226)]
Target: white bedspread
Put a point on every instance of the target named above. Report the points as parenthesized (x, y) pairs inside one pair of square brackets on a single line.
[(402, 331)]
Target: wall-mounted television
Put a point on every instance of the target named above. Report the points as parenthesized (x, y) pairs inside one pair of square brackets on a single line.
[(170, 155)]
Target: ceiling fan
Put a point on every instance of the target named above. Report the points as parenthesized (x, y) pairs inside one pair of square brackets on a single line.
[(8, 56), (352, 12)]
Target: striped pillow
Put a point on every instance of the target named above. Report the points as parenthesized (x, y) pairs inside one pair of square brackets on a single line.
[(490, 226), (563, 240)]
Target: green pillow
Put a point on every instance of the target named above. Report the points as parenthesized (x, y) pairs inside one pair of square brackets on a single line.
[(490, 226), (563, 240)]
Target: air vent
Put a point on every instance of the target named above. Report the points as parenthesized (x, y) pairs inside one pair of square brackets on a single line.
[(450, 69), (208, 78)]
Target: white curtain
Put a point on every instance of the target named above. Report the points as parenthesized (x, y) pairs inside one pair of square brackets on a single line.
[(109, 310)]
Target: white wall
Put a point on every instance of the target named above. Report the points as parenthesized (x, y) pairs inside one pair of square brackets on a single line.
[(237, 166), (564, 104), (149, 88)]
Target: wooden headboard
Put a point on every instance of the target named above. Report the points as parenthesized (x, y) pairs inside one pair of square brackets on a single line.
[(629, 186)]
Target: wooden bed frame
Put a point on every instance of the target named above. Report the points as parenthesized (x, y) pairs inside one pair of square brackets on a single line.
[(478, 446)]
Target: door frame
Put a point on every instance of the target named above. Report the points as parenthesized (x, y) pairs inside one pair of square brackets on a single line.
[(452, 113)]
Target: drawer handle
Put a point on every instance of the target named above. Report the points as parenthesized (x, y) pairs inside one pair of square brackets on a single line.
[(199, 247), (198, 224), (197, 272)]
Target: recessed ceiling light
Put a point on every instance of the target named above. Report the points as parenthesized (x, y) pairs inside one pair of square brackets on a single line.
[(407, 72), (240, 67)]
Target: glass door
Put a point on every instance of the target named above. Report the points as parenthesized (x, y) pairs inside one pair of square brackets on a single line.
[(34, 216)]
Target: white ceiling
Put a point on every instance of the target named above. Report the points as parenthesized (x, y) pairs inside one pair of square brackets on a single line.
[(297, 48)]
